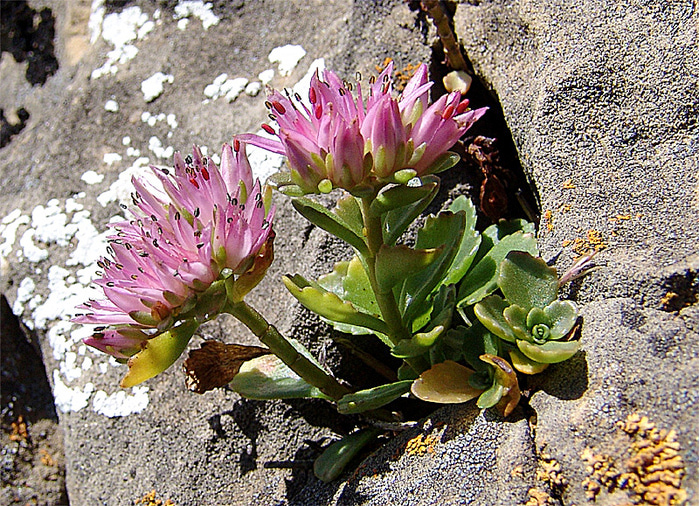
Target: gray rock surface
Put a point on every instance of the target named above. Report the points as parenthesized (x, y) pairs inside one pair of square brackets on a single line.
[(601, 102)]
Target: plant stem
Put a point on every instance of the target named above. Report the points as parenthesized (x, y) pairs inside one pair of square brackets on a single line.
[(286, 351), (386, 301)]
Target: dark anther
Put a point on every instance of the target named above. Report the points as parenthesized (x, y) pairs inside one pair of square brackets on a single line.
[(236, 145), (155, 243), (234, 201), (268, 104), (110, 284), (177, 215), (153, 217), (200, 245), (197, 212), (134, 277), (297, 97), (358, 76), (268, 129), (272, 117), (258, 196), (166, 172), (259, 205), (229, 220), (188, 159), (279, 108), (123, 206), (372, 79)]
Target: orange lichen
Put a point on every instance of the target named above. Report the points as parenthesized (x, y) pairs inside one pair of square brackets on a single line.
[(19, 430), (652, 473), (538, 497), (592, 242), (548, 219), (150, 500), (47, 459), (421, 444), (549, 471), (568, 185)]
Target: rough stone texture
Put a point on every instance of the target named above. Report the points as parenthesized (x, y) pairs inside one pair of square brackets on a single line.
[(604, 96), (593, 92)]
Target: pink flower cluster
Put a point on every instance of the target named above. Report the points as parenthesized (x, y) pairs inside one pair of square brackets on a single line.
[(205, 220), (336, 137)]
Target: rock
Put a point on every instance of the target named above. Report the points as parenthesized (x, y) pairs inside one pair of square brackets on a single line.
[(597, 128), (600, 99)]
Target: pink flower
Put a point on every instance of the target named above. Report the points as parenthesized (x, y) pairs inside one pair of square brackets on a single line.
[(168, 261), (340, 138)]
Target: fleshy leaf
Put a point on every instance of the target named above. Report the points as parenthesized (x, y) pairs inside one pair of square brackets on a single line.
[(215, 364), (562, 315), (444, 162), (372, 398), (399, 196), (358, 289), (330, 306), (516, 317), (330, 222), (490, 313), (396, 263), (445, 383), (506, 377), (418, 344), (527, 281), (267, 377), (347, 208), (335, 457), (524, 364), (550, 352), (482, 279), (397, 221), (470, 241), (445, 230), (498, 231), (159, 353)]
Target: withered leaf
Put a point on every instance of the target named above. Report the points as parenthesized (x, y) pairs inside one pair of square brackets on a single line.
[(215, 364)]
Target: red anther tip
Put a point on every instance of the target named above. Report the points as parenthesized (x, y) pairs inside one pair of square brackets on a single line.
[(268, 129)]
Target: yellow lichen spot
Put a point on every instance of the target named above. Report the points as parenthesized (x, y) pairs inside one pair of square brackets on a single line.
[(566, 243), (150, 499), (591, 243), (380, 68), (517, 472), (421, 444), (47, 459), (19, 430), (652, 472), (564, 208), (538, 497), (568, 185), (548, 219)]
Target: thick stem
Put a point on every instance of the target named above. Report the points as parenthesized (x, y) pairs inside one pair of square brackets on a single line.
[(286, 352)]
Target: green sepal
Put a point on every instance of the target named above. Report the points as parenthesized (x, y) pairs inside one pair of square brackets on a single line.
[(211, 300), (445, 231), (419, 344), (372, 398), (397, 221), (330, 222), (490, 313), (159, 353), (144, 318), (482, 278), (527, 281), (396, 263), (470, 242), (551, 352), (399, 196), (330, 306), (335, 457), (267, 377)]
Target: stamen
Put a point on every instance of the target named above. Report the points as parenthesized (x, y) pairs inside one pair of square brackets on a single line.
[(166, 172), (461, 108), (236, 145), (110, 284), (312, 96), (448, 112), (177, 215), (268, 129), (123, 206), (358, 76), (297, 97), (155, 243), (279, 107), (188, 159), (205, 173), (272, 117), (134, 277), (268, 104), (194, 182), (372, 79), (200, 245)]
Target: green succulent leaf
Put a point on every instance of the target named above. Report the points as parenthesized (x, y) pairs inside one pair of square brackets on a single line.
[(349, 211), (470, 242), (516, 318), (562, 315), (492, 396), (490, 313), (396, 263), (524, 364), (399, 196), (330, 222), (419, 344), (482, 278), (477, 340), (397, 221), (506, 378), (330, 306), (550, 352), (537, 316), (335, 457), (444, 162), (159, 353), (267, 377), (443, 231), (372, 398), (498, 231), (527, 281)]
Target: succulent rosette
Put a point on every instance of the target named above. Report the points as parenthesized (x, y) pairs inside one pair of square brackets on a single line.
[(174, 264), (337, 140)]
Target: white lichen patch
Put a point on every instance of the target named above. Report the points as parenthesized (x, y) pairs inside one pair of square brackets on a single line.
[(155, 145), (287, 57), (120, 190), (152, 87), (91, 177), (120, 403), (111, 158), (118, 29), (266, 76), (224, 87), (253, 89), (111, 106), (198, 9), (70, 399), (8, 230)]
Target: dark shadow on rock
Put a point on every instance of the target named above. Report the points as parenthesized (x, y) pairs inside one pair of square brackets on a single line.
[(9, 130), (33, 464), (566, 381), (28, 36), (246, 415)]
